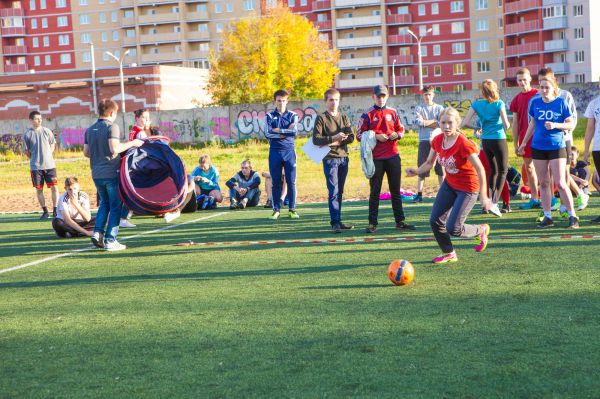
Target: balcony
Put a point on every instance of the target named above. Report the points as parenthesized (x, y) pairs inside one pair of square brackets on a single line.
[(198, 55), (160, 38), (400, 39), (547, 3), (196, 16), (321, 5), (559, 68), (129, 41), (512, 71), (556, 45), (399, 19), (197, 36), (14, 50), (401, 60), (15, 68), (355, 3), (13, 31), (356, 83), (355, 63), (155, 2), (522, 49), (126, 4), (404, 81), (397, 1), (323, 25), (356, 42), (161, 57), (520, 6), (355, 22), (522, 27), (128, 22), (158, 19), (555, 23), (12, 12)]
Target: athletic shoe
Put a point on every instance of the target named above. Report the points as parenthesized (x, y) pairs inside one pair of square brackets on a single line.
[(506, 208), (114, 246), (573, 222), (546, 222), (54, 213), (346, 226), (595, 220), (293, 214), (446, 258), (582, 201), (417, 199), (44, 216), (372, 228), (243, 203), (540, 216), (274, 215), (494, 210), (554, 204), (268, 204), (126, 224), (233, 205), (170, 216), (336, 229), (562, 211), (531, 204), (481, 241), (404, 226), (97, 239)]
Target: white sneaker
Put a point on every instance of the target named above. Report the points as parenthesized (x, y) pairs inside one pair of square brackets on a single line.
[(170, 216), (582, 201), (114, 246), (495, 211), (124, 223), (97, 239)]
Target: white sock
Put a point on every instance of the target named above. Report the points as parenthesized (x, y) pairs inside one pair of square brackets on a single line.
[(548, 214)]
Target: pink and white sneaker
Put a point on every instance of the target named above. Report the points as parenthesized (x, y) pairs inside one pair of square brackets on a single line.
[(446, 258), (481, 241)]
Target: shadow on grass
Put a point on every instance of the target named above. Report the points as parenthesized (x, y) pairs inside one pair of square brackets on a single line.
[(349, 286)]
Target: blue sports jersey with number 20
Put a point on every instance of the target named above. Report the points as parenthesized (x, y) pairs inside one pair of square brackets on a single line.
[(555, 111)]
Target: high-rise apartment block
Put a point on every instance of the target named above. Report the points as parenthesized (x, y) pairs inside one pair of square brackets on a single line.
[(462, 41)]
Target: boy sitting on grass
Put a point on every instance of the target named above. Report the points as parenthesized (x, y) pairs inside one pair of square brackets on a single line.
[(73, 215)]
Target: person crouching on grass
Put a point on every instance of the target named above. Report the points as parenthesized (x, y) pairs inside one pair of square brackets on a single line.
[(464, 178), (73, 215)]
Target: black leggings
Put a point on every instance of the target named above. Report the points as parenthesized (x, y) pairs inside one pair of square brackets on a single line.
[(496, 152)]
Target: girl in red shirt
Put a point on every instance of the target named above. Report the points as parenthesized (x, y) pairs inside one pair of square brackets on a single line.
[(141, 129), (465, 179)]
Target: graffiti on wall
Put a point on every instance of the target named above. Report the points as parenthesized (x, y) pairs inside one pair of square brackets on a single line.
[(252, 122)]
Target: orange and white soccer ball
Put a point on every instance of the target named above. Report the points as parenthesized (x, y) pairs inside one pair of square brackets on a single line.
[(401, 272)]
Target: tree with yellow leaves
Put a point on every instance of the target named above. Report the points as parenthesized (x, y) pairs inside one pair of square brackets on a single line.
[(262, 54)]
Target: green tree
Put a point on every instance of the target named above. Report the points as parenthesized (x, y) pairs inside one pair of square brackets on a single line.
[(279, 50)]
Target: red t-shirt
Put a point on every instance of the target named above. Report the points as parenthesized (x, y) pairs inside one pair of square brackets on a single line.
[(137, 133), (382, 121), (520, 105), (460, 173)]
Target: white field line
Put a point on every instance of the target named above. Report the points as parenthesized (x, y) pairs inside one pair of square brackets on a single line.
[(57, 256)]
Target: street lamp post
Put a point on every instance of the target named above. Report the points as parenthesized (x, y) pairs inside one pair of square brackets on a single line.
[(419, 38), (94, 94), (394, 75), (120, 61)]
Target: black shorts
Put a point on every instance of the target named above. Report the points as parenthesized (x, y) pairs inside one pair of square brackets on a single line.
[(38, 177), (423, 154), (568, 145), (546, 155)]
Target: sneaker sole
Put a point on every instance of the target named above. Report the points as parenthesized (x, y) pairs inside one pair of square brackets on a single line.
[(487, 233), (452, 260)]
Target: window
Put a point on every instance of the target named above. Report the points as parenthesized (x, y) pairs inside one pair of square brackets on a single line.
[(377, 53), (114, 17), (42, 4), (349, 35), (151, 11), (482, 25), (458, 48), (229, 7), (425, 71), (61, 3), (578, 11), (459, 88), (578, 33), (86, 56), (86, 38), (436, 49), (104, 36), (83, 2), (178, 48), (580, 78), (554, 11), (65, 58), (105, 56), (376, 32), (423, 50), (321, 17), (501, 44), (203, 47), (500, 23), (102, 18), (481, 4), (84, 19), (502, 65), (202, 27), (458, 69), (152, 31), (130, 33), (175, 9), (46, 41), (36, 42), (403, 10), (154, 50), (47, 60), (63, 40), (33, 23), (115, 35), (249, 4), (218, 8), (457, 6), (483, 46), (201, 8), (44, 23), (437, 70), (404, 91), (100, 1), (379, 74), (457, 27), (32, 5), (435, 10), (176, 29), (376, 13), (435, 29), (36, 60), (421, 9), (128, 14), (132, 52), (219, 27), (422, 30), (579, 56), (483, 66), (117, 53), (291, 3), (62, 21), (303, 2)]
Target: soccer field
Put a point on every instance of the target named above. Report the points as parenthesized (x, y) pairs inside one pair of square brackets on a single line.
[(278, 309)]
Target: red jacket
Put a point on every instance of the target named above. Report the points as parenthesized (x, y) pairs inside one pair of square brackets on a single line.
[(382, 121)]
